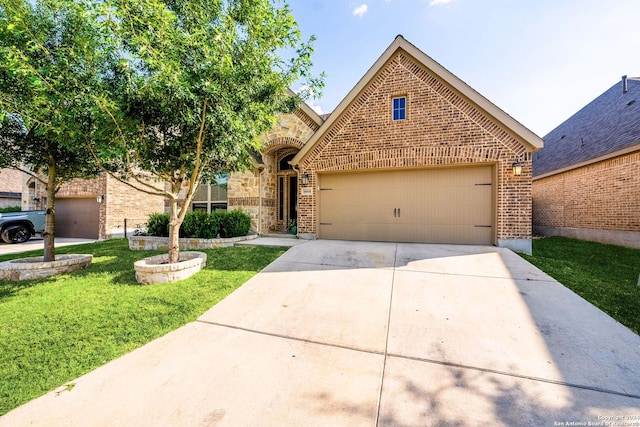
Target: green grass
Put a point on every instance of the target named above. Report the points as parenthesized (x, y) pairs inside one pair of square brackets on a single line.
[(604, 275), (56, 329)]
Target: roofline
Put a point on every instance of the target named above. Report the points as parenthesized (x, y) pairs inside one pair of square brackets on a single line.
[(627, 150), (524, 134), (307, 110)]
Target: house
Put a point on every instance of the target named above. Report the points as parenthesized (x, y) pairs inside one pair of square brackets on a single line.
[(586, 180), (99, 208), (411, 154), (10, 188)]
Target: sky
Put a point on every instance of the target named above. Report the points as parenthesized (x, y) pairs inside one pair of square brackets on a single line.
[(538, 60)]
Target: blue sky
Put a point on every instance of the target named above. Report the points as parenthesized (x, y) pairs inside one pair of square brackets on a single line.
[(538, 60)]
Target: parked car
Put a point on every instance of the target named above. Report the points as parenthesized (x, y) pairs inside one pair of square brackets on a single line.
[(18, 227)]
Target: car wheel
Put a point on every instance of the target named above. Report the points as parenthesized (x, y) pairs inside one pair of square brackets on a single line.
[(16, 234)]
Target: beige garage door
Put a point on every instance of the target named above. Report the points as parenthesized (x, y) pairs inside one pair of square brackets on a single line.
[(78, 218), (428, 205)]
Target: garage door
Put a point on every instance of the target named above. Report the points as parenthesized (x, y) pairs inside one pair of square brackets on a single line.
[(78, 218), (448, 205)]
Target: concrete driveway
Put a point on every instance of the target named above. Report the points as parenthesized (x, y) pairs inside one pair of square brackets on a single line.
[(37, 242), (372, 334)]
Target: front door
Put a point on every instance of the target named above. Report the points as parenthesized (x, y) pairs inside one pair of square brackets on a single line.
[(287, 201)]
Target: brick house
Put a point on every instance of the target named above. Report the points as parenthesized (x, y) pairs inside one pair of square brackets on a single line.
[(95, 208), (586, 180), (411, 154)]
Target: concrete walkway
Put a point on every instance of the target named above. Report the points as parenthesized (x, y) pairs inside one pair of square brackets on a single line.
[(371, 334), (36, 243)]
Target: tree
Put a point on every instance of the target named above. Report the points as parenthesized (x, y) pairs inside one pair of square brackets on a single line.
[(198, 82), (51, 72)]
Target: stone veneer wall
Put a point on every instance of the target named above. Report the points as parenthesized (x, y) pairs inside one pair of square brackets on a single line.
[(601, 199), (442, 128), (247, 189)]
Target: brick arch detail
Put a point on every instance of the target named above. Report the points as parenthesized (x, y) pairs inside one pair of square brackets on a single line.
[(282, 142), (408, 157)]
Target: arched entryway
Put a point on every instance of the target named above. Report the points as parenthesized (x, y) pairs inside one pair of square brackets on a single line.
[(286, 189)]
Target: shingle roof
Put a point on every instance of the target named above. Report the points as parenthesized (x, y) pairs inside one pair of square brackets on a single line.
[(610, 123)]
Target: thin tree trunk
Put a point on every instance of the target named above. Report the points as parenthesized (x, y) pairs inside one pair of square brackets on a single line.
[(50, 218), (174, 232)]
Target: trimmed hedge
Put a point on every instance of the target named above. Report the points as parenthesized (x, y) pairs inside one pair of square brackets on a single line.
[(10, 209), (203, 225)]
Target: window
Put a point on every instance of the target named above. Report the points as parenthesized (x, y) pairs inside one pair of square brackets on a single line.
[(284, 163), (211, 196), (400, 108)]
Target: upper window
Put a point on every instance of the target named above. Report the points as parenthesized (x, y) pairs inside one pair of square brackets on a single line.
[(400, 108)]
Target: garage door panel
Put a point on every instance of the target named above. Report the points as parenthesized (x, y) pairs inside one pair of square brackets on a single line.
[(430, 205), (77, 218)]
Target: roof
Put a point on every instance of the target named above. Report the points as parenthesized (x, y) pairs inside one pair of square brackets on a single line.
[(521, 133), (609, 125)]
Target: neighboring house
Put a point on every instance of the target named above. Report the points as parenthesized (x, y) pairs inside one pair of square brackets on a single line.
[(586, 180), (412, 154), (95, 209), (10, 188)]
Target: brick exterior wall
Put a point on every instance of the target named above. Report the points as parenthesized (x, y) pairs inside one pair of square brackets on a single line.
[(120, 202), (442, 129), (10, 182), (600, 196)]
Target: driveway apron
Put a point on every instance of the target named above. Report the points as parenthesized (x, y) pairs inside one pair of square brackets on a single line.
[(340, 333)]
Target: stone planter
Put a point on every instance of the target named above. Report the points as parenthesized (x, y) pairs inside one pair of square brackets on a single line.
[(34, 268), (156, 269), (153, 243)]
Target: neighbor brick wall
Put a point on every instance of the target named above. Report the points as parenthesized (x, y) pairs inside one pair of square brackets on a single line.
[(123, 202), (602, 196), (10, 182), (120, 202), (441, 129)]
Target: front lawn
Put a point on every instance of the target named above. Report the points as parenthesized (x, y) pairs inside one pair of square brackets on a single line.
[(604, 275), (56, 329)]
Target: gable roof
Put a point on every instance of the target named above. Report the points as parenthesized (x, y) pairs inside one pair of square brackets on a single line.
[(521, 133), (308, 111), (608, 125)]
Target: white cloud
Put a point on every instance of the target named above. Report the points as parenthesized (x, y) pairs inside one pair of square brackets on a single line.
[(437, 2), (318, 109), (360, 10)]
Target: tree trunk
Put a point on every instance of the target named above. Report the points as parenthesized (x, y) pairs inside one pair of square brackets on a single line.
[(174, 232), (50, 218)]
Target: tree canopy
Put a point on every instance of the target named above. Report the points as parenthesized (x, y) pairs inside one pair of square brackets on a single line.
[(50, 73), (197, 83)]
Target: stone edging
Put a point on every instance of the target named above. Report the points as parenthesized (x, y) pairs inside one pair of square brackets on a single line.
[(156, 269), (148, 243), (34, 268)]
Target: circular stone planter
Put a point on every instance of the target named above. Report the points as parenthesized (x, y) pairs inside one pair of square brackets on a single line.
[(156, 269), (34, 268)]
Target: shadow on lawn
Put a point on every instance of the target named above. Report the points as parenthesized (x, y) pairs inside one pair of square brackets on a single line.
[(114, 258)]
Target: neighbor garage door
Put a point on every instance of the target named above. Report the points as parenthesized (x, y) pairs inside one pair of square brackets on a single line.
[(78, 218), (448, 205)]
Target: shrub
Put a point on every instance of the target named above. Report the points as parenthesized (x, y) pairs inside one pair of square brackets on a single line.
[(10, 209), (235, 223), (196, 224), (202, 225), (158, 225)]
